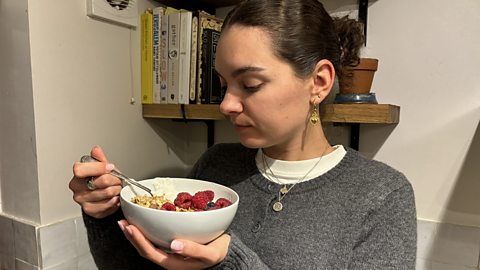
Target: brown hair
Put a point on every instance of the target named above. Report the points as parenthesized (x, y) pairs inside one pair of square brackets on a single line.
[(302, 32), (350, 34)]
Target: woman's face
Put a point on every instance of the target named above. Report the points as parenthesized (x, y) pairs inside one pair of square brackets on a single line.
[(266, 102)]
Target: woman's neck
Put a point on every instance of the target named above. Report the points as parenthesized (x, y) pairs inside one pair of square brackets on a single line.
[(313, 144)]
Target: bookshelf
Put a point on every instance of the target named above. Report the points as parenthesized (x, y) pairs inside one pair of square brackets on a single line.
[(350, 114), (334, 113)]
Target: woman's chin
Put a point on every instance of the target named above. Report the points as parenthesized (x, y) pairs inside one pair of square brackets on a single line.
[(252, 142)]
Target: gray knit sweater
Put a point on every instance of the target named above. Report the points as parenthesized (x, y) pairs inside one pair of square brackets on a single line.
[(359, 215)]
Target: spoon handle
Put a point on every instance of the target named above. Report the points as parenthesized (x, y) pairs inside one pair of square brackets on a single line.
[(118, 174)]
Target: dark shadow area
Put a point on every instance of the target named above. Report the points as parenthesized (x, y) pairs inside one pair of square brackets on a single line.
[(174, 134), (337, 134), (465, 198), (373, 136), (463, 205)]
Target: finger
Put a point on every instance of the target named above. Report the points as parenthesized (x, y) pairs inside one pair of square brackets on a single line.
[(99, 195), (106, 181), (211, 254), (97, 152), (84, 170), (123, 223), (144, 247), (83, 195), (101, 209), (106, 187), (147, 250)]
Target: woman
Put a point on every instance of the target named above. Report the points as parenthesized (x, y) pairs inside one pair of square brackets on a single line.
[(304, 203)]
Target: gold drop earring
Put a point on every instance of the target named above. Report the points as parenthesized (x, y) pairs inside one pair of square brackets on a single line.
[(314, 118)]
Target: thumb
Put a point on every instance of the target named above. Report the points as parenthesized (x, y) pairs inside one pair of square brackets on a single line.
[(212, 253), (97, 153)]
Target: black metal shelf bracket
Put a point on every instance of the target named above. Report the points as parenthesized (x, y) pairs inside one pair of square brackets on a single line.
[(362, 16), (210, 132), (355, 136)]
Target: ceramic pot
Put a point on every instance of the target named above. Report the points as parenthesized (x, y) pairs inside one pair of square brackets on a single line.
[(358, 79)]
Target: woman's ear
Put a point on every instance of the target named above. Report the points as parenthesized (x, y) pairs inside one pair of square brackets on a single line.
[(323, 78)]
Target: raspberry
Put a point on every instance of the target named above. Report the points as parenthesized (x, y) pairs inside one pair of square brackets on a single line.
[(221, 203), (210, 194), (168, 206), (183, 200), (200, 200)]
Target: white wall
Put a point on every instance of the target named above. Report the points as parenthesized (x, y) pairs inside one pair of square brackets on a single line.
[(19, 186), (429, 57)]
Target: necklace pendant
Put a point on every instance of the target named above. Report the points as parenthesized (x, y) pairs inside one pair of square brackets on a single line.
[(278, 206), (284, 190)]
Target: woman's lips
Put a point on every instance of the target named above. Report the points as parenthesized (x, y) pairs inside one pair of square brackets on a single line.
[(241, 126)]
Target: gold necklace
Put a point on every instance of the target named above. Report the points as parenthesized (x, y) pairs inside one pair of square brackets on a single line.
[(278, 206), (284, 189)]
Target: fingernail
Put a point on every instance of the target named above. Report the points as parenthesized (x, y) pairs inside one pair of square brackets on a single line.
[(121, 226), (109, 166), (129, 230), (176, 245)]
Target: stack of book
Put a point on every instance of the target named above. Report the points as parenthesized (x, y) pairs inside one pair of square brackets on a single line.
[(178, 57)]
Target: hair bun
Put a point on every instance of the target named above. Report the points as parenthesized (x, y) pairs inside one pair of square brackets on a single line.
[(351, 39)]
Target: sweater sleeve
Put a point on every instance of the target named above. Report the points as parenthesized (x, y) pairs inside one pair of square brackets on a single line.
[(110, 248), (240, 257), (388, 239)]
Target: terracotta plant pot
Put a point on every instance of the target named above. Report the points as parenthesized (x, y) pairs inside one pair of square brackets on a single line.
[(358, 79)]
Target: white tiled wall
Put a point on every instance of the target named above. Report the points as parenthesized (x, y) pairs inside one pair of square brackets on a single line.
[(7, 260), (59, 246), (25, 239), (444, 246), (64, 246)]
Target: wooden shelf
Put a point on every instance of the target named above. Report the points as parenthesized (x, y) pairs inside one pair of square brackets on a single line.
[(336, 113), (174, 111), (362, 113)]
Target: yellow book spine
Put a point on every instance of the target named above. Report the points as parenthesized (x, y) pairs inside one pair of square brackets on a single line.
[(147, 56)]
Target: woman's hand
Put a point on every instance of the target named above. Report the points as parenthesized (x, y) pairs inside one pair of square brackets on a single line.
[(187, 254), (104, 199)]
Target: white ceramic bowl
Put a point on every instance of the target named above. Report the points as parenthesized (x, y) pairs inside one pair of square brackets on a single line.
[(161, 227)]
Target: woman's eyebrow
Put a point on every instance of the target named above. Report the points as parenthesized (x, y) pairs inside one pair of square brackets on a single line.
[(246, 69), (243, 70)]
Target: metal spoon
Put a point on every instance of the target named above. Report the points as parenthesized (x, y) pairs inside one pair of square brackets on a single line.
[(119, 175)]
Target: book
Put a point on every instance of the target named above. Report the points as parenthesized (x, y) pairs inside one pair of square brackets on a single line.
[(146, 57), (173, 55), (193, 58), (210, 83), (194, 55), (156, 22), (205, 21), (184, 56), (163, 59)]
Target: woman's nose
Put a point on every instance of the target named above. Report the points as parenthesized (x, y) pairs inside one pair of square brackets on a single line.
[(231, 104)]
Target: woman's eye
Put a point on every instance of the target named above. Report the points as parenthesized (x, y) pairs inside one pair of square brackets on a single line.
[(252, 88)]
